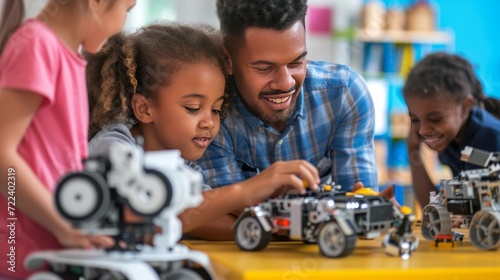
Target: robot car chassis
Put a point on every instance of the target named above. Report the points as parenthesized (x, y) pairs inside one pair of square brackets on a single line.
[(474, 196), (331, 218)]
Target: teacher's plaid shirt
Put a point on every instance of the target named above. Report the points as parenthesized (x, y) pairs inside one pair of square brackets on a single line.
[(333, 119)]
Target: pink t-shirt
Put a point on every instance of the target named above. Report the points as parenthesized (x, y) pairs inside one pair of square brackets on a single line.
[(36, 60)]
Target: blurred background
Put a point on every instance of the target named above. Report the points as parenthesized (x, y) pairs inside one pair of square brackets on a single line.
[(381, 39)]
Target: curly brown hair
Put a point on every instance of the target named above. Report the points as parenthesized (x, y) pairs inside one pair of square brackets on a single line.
[(143, 62)]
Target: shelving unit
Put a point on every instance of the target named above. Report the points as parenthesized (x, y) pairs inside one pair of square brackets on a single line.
[(405, 37), (385, 58), (393, 53)]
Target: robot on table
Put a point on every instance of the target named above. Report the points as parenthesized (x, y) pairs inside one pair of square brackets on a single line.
[(474, 195), (331, 218), (156, 186)]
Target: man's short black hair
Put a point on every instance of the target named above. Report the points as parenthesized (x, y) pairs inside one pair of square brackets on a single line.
[(237, 15)]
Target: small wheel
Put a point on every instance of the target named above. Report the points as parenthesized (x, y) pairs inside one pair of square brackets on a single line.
[(435, 220), (310, 238), (250, 236), (82, 197), (332, 241), (310, 241), (152, 194), (182, 274), (485, 230)]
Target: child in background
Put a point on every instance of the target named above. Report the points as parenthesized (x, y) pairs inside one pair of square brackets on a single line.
[(444, 99), (166, 83), (42, 88)]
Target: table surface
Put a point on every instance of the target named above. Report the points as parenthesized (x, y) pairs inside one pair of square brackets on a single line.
[(299, 261)]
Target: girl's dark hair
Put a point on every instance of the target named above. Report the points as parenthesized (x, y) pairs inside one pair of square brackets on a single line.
[(11, 19), (237, 15), (450, 75), (143, 62)]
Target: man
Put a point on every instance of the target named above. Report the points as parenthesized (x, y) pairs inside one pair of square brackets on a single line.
[(284, 106)]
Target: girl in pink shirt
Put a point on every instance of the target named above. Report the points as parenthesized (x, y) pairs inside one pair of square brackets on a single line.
[(44, 119)]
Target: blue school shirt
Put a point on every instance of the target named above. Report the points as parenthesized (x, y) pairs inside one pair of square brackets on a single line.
[(333, 120), (483, 132)]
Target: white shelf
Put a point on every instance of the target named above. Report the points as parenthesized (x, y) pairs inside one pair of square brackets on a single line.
[(409, 37)]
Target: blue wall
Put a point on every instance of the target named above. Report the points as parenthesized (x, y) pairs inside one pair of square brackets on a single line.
[(476, 25)]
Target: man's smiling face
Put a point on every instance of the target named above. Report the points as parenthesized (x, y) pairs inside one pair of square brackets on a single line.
[(269, 69)]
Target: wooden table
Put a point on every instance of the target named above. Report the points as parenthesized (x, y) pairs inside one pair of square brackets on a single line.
[(299, 261)]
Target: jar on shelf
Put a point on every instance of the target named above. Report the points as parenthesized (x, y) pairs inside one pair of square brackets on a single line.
[(395, 19), (373, 18), (420, 17)]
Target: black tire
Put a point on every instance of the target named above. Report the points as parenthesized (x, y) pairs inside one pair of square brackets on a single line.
[(152, 197), (82, 197), (250, 235), (333, 242)]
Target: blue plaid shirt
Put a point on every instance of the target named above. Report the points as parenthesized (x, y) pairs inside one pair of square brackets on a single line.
[(333, 119)]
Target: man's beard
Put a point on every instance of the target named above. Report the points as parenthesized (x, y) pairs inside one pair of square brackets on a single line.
[(278, 120)]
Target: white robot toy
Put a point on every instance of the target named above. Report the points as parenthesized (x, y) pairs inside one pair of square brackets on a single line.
[(156, 186)]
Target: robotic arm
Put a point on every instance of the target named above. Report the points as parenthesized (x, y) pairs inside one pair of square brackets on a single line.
[(479, 157)]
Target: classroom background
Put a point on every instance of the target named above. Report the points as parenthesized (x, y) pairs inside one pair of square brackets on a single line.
[(381, 39)]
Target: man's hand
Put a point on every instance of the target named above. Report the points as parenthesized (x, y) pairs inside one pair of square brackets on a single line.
[(280, 178)]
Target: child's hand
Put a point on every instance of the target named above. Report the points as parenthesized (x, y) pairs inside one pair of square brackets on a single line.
[(281, 177), (413, 140), (456, 221), (395, 203), (73, 238), (387, 192)]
